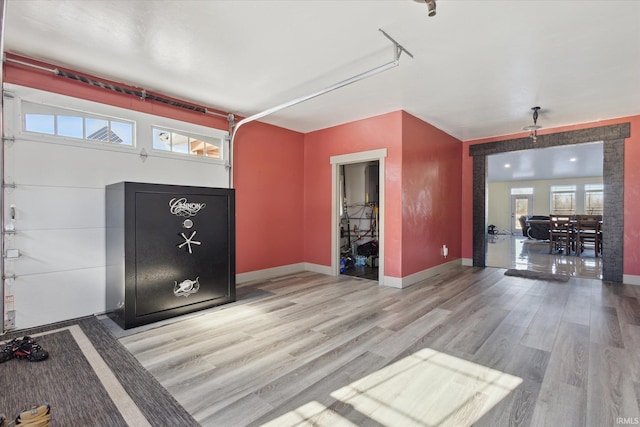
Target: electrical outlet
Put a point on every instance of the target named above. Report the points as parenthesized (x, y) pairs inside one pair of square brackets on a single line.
[(10, 322)]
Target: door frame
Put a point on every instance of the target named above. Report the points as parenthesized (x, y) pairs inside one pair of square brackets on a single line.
[(512, 217), (613, 137), (343, 159)]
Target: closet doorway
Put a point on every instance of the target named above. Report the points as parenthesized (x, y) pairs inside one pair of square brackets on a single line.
[(358, 215), (359, 194)]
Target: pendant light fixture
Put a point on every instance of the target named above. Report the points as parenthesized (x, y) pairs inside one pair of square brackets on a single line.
[(534, 128)]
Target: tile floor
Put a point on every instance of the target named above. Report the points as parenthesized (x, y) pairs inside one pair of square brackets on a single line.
[(508, 251)]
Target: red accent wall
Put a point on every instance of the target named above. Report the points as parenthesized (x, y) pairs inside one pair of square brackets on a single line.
[(632, 198), (431, 185), (422, 189), (268, 178), (383, 131), (631, 189)]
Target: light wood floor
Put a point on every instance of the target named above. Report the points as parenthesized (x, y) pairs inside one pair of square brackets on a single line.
[(469, 347)]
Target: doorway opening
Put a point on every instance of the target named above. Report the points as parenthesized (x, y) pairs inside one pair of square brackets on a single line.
[(357, 215), (359, 195), (540, 182), (521, 205), (613, 137)]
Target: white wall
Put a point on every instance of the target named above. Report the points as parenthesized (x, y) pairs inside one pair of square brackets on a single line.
[(499, 197), (59, 201)]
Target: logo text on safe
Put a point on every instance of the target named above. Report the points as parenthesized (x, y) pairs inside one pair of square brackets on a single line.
[(181, 207)]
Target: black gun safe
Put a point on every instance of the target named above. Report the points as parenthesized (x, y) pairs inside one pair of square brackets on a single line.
[(170, 250)]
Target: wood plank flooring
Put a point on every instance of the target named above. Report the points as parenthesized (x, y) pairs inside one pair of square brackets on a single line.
[(467, 347)]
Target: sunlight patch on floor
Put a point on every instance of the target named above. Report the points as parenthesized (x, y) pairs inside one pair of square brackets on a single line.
[(428, 388), (310, 414)]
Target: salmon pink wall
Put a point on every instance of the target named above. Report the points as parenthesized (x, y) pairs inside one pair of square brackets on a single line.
[(631, 189), (422, 189), (268, 178), (431, 184), (383, 131), (632, 199)]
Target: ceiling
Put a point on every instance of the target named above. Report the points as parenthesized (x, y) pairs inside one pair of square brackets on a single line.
[(478, 66), (566, 161)]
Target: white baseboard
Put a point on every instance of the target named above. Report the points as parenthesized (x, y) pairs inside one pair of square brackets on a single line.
[(393, 282), (317, 268), (412, 279), (270, 273), (629, 279)]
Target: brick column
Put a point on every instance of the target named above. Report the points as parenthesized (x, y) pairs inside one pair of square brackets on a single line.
[(613, 214), (479, 211)]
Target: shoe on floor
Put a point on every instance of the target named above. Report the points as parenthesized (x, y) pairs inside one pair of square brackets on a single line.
[(38, 416), (9, 349), (28, 349)]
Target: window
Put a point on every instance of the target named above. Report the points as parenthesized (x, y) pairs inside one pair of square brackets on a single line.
[(563, 199), (185, 143), (521, 191), (49, 120), (593, 198)]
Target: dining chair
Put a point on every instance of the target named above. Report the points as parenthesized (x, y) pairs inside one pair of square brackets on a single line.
[(588, 232), (561, 233)]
